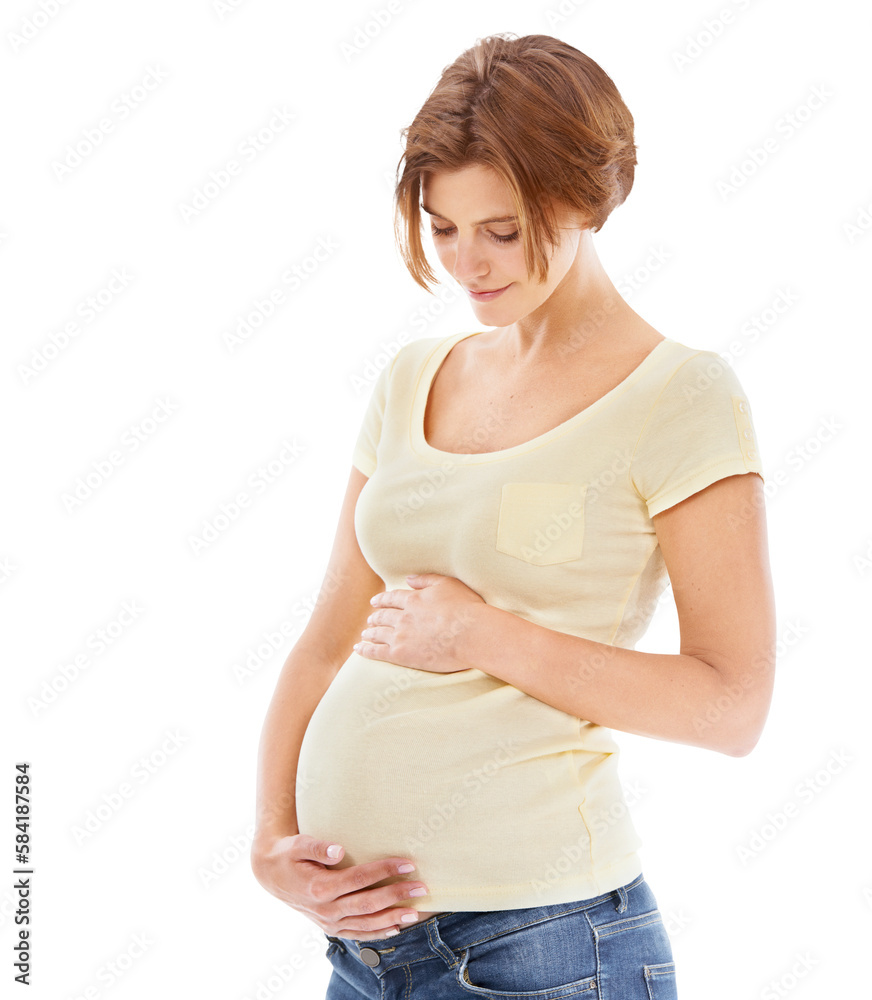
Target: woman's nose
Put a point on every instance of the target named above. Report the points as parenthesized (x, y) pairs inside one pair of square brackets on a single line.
[(470, 263)]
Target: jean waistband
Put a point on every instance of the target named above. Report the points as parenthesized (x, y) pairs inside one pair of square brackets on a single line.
[(411, 942)]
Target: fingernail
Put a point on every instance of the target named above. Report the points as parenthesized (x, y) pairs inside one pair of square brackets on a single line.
[(407, 918), (418, 892), (333, 851), (392, 933), (406, 868)]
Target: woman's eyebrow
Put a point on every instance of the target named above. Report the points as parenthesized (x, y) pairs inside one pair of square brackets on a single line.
[(484, 222)]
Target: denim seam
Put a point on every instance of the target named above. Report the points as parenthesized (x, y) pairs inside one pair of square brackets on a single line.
[(587, 906), (661, 969), (656, 918), (530, 923), (592, 981)]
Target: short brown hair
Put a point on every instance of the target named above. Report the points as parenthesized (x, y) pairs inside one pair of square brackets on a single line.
[(544, 116)]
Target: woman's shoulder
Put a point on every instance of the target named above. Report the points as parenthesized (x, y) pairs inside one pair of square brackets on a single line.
[(418, 351)]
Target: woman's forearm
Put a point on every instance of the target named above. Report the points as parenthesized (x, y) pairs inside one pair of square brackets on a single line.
[(300, 687), (661, 695)]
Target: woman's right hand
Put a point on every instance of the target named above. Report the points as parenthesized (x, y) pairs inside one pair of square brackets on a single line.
[(295, 869)]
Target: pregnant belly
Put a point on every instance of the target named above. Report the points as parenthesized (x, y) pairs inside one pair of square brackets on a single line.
[(458, 772)]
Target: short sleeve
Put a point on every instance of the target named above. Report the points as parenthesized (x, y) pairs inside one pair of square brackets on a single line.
[(698, 431), (364, 454)]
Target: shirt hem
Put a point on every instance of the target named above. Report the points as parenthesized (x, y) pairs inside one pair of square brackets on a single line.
[(455, 899)]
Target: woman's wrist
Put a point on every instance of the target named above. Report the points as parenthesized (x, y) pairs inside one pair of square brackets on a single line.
[(265, 838), (476, 643)]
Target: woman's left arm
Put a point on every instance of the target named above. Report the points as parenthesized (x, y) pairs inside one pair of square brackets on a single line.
[(715, 693)]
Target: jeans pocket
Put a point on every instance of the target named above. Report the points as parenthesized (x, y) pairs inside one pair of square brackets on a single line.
[(541, 960), (636, 954), (541, 523), (660, 980)]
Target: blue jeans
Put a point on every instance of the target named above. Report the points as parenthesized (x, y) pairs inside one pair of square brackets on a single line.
[(611, 947)]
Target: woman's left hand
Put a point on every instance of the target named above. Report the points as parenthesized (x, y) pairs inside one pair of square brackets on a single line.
[(423, 627)]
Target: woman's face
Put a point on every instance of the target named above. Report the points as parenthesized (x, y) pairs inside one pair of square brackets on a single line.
[(478, 242)]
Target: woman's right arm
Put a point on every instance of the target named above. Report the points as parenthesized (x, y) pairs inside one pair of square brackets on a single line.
[(335, 624), (288, 864)]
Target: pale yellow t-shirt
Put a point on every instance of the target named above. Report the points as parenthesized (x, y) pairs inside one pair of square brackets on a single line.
[(501, 800)]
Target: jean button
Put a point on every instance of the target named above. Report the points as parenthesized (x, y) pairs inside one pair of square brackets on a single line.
[(370, 957)]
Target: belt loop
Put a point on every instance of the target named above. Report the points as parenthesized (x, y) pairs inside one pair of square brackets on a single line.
[(621, 893), (336, 944)]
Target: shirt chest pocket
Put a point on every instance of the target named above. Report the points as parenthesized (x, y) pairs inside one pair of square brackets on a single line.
[(541, 523)]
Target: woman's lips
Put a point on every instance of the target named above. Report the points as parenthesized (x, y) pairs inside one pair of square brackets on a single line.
[(487, 296)]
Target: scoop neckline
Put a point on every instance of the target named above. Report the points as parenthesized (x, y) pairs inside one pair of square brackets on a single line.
[(424, 385)]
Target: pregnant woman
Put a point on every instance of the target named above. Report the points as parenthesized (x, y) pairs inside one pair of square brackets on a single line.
[(438, 785)]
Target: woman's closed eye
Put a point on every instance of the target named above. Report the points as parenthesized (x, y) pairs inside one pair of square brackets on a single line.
[(494, 236)]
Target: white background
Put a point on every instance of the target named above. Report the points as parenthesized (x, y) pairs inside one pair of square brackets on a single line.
[(789, 916)]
